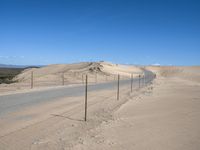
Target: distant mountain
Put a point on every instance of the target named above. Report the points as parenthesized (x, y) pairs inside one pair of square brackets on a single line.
[(19, 66)]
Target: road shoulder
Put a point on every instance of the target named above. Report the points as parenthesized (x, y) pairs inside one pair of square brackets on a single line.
[(166, 116)]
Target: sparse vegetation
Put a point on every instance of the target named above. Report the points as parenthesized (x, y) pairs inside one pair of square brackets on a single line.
[(7, 74)]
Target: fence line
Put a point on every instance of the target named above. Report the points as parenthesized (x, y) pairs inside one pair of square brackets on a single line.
[(118, 87), (142, 81)]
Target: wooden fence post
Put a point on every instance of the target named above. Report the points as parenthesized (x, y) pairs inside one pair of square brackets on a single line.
[(82, 78), (31, 79), (131, 82), (118, 87), (139, 80), (63, 78), (86, 90), (96, 77)]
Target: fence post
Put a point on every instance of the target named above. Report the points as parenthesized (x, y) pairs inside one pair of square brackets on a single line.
[(63, 78), (144, 80), (118, 87), (131, 82), (96, 77), (86, 84), (82, 79), (31, 79), (139, 80)]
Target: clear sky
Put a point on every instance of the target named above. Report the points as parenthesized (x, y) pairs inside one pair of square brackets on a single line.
[(165, 32)]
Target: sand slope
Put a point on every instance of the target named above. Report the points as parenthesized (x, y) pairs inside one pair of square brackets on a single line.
[(191, 73), (73, 71), (55, 75)]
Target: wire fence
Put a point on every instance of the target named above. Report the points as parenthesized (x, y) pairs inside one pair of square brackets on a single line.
[(62, 79), (139, 82)]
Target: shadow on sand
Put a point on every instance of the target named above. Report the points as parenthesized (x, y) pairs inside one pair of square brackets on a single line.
[(74, 119)]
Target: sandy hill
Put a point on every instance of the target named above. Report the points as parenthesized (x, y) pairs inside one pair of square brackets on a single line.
[(74, 72), (191, 73)]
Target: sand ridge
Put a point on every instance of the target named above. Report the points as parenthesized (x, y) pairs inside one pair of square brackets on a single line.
[(190, 73), (56, 74)]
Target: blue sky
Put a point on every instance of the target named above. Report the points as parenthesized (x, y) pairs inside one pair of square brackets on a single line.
[(166, 32)]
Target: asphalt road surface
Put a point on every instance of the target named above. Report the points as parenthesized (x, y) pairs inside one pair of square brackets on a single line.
[(13, 102)]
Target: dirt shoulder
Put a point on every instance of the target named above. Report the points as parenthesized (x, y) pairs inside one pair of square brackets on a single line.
[(165, 116)]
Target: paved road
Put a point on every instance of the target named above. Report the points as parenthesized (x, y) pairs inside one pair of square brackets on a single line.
[(13, 102)]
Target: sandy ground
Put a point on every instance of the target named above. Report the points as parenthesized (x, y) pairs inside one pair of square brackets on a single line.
[(163, 115)]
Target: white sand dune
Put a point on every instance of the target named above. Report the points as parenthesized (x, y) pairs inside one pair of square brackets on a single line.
[(53, 75), (191, 73), (74, 71)]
